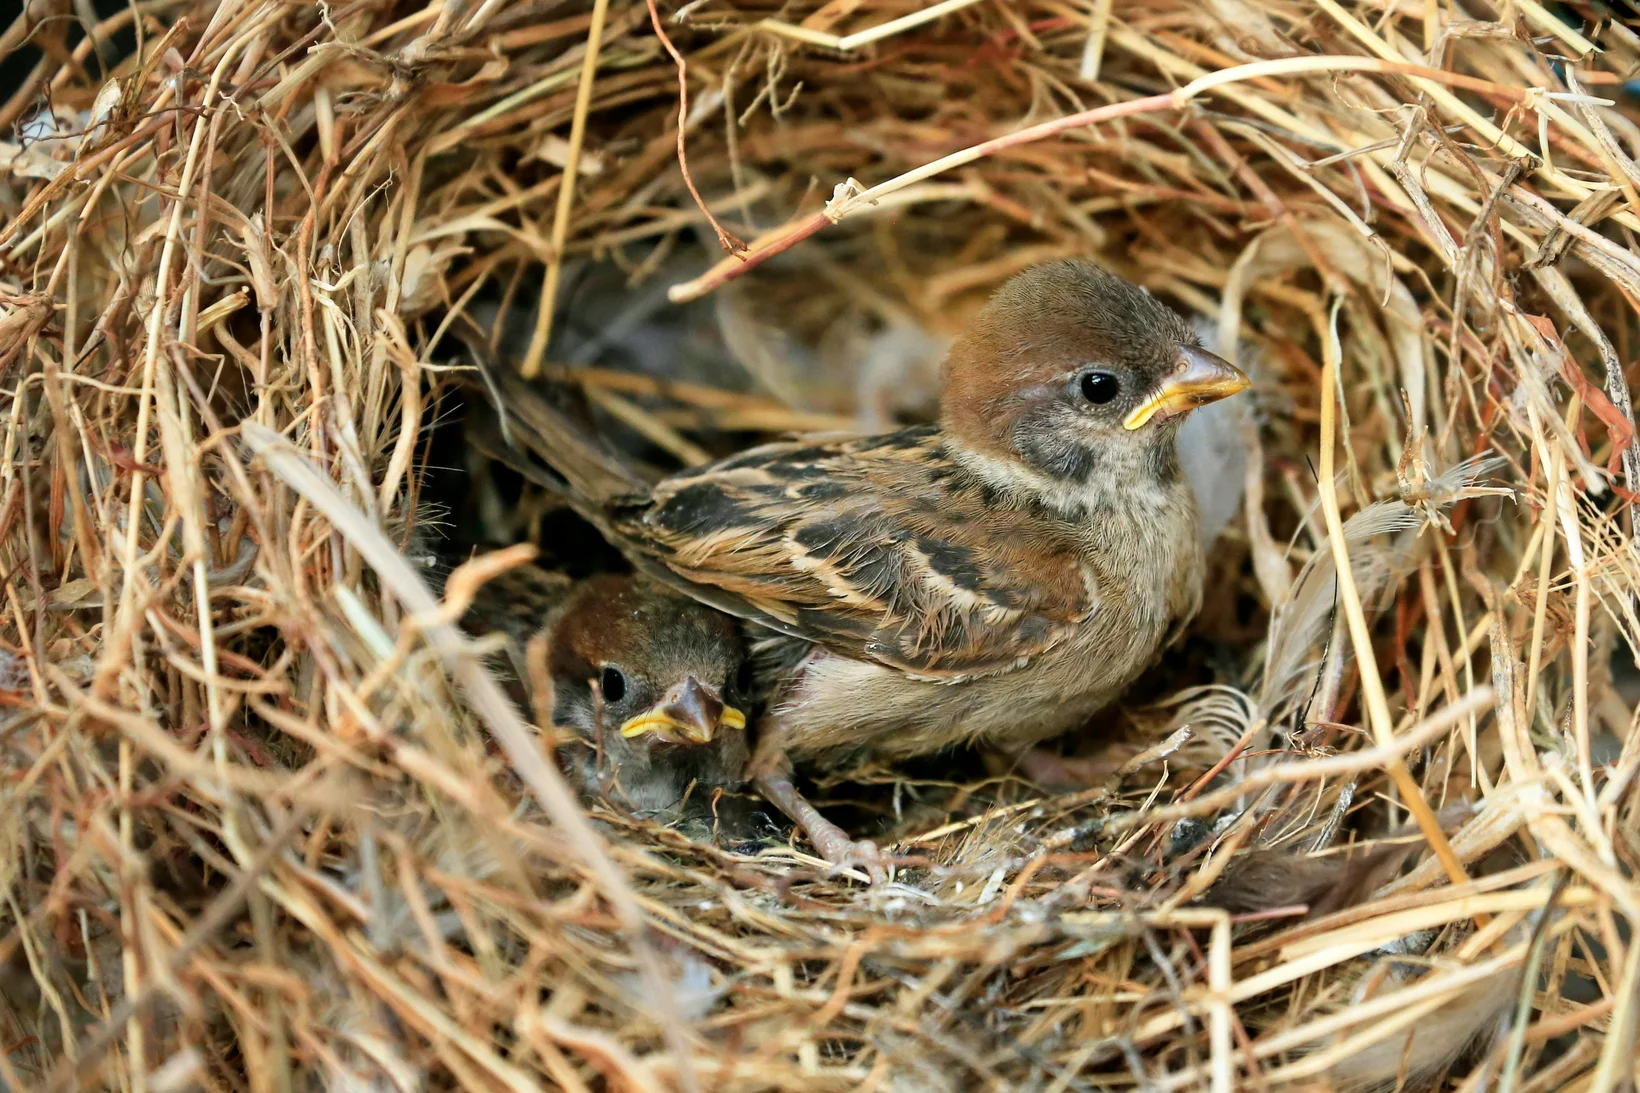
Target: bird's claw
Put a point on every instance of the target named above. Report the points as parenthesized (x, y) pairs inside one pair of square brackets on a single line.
[(830, 841), (863, 854)]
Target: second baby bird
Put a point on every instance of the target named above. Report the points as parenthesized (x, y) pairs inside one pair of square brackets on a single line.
[(651, 683)]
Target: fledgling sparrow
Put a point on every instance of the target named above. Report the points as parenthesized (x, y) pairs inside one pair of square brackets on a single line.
[(994, 578), (652, 683)]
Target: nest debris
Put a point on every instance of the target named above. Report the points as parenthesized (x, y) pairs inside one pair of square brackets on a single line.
[(267, 824)]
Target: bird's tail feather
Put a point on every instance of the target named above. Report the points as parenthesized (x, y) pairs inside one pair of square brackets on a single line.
[(572, 460)]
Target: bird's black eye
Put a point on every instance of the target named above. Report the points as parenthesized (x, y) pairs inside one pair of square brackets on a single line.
[(1100, 387), (743, 677), (613, 684)]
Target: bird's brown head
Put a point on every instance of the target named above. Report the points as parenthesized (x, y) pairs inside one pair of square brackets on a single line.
[(662, 668), (1070, 369)]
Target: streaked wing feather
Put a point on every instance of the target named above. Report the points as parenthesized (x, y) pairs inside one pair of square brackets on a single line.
[(878, 548)]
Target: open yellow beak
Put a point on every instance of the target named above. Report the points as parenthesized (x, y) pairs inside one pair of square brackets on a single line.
[(689, 713), (1200, 378)]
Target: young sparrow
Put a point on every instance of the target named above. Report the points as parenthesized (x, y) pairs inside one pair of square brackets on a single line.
[(996, 578), (651, 682)]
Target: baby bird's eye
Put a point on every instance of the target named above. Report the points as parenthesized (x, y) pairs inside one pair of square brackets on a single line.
[(1100, 387), (743, 677), (612, 684)]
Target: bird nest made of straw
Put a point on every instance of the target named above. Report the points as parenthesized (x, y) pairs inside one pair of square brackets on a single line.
[(266, 821)]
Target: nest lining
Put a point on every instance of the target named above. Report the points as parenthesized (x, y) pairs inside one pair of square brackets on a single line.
[(266, 826)]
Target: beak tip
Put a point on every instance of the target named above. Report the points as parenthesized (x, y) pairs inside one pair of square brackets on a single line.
[(691, 713), (1200, 378)]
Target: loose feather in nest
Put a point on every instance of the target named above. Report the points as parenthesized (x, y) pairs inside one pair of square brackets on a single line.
[(1285, 876), (1382, 544), (1213, 444), (1418, 1058)]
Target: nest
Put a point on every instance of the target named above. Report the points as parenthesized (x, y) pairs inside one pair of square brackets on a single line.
[(266, 822)]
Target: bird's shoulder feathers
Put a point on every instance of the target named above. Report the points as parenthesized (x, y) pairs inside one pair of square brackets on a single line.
[(880, 548)]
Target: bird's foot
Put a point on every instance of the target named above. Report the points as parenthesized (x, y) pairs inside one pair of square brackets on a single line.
[(831, 841), (845, 853)]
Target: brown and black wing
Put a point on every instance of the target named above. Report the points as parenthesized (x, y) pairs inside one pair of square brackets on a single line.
[(543, 432), (878, 548)]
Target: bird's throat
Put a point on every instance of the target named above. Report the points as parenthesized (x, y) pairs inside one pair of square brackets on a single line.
[(1071, 477)]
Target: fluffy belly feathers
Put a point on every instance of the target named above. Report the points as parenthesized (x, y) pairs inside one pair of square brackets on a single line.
[(840, 703)]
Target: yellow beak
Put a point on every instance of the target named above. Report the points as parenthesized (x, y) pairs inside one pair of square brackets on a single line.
[(1199, 379), (689, 713)]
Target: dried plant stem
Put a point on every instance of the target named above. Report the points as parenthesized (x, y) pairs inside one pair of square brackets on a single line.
[(849, 201), (1617, 1055), (1093, 50), (1558, 507), (1546, 555), (865, 37), (1221, 1016), (1372, 684), (124, 619), (542, 334), (1580, 637)]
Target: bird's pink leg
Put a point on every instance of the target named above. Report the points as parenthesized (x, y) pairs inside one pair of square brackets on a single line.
[(830, 840), (770, 771)]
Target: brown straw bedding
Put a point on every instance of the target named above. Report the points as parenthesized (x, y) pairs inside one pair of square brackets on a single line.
[(267, 822)]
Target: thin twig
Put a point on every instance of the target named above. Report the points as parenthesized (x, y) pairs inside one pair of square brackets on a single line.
[(849, 200), (725, 240)]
